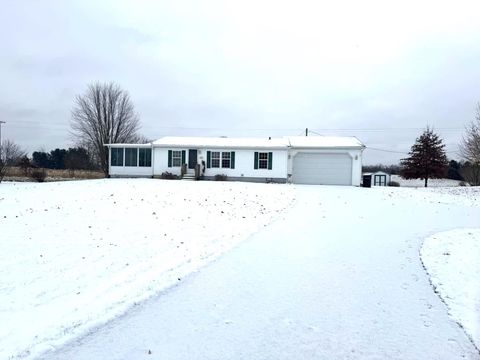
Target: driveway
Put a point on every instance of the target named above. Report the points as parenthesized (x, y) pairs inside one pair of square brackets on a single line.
[(336, 277)]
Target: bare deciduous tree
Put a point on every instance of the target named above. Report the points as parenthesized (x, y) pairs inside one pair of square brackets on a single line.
[(10, 155), (470, 150), (104, 115)]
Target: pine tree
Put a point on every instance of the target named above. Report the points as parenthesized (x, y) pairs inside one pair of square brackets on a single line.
[(427, 158)]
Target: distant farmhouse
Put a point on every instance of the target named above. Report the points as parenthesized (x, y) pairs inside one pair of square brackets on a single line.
[(323, 160)]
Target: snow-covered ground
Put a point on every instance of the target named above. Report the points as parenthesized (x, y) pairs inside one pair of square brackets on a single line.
[(77, 254), (452, 259), (465, 196), (337, 276), (420, 182)]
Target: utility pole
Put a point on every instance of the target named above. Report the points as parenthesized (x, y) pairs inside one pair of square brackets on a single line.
[(306, 131), (1, 122)]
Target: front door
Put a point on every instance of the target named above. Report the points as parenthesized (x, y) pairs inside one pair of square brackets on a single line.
[(192, 158)]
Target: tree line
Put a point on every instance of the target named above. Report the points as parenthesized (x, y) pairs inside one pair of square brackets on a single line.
[(76, 158), (72, 158)]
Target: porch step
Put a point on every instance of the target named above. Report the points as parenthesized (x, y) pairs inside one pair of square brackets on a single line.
[(188, 177)]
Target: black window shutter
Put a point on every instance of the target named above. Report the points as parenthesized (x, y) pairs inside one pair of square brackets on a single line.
[(270, 157), (255, 164), (184, 155), (169, 158), (209, 157), (232, 160)]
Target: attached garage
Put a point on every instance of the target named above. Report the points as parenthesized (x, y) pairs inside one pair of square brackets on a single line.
[(322, 168)]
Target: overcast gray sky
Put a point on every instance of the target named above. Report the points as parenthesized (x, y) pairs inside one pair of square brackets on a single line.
[(378, 70)]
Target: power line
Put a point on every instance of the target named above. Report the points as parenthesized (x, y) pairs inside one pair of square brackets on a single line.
[(403, 152), (385, 129), (389, 151)]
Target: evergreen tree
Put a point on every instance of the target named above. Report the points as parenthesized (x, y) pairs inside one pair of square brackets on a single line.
[(427, 158), (454, 170), (41, 159)]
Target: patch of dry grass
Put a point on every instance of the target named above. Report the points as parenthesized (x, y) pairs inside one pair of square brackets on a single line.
[(18, 174)]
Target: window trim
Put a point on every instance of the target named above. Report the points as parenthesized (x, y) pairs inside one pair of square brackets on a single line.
[(212, 158), (224, 158), (382, 180), (258, 160), (179, 158)]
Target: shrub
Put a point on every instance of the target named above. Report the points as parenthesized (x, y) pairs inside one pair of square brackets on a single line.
[(221, 177), (25, 165), (38, 175), (168, 176), (393, 183)]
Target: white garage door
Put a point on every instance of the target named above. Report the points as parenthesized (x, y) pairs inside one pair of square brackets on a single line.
[(323, 169)]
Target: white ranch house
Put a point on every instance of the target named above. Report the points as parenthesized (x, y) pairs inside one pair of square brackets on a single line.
[(321, 160)]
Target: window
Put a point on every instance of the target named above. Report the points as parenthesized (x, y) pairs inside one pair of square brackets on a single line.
[(215, 159), (221, 159), (380, 180), (131, 156), (226, 159), (144, 157), (262, 160), (117, 157), (176, 158)]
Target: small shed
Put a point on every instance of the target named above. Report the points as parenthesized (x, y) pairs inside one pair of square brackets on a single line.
[(378, 178)]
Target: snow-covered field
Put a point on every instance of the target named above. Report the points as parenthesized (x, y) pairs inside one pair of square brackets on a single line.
[(452, 259), (342, 261), (420, 182), (77, 254), (337, 276), (465, 196)]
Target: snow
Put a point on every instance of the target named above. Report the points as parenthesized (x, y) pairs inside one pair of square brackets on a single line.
[(272, 143), (463, 196), (452, 259), (324, 142), (421, 183), (77, 254), (146, 145), (221, 142), (337, 276)]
